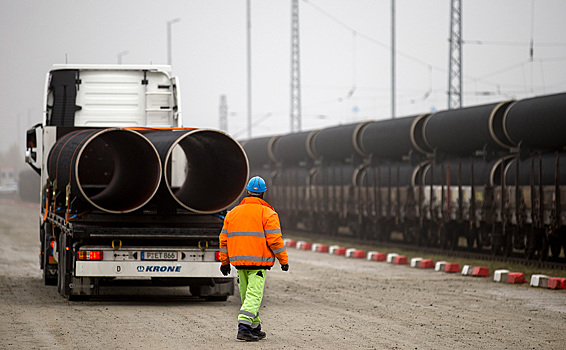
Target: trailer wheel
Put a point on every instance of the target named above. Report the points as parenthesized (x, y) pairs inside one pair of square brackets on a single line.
[(50, 272), (42, 246), (63, 280), (217, 298)]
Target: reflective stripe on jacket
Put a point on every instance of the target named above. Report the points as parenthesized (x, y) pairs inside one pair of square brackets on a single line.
[(251, 236)]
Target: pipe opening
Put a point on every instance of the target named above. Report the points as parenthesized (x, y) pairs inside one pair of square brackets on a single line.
[(118, 170), (206, 171)]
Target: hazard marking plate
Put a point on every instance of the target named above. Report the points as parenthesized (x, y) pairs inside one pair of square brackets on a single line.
[(164, 256)]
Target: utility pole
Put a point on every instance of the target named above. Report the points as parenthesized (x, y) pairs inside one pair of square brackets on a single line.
[(392, 59), (169, 24), (223, 114), (295, 69), (249, 47), (455, 56)]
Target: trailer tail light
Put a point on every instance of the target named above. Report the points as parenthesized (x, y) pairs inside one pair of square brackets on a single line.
[(217, 256), (89, 255)]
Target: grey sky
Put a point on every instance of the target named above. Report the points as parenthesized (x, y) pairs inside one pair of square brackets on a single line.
[(344, 44)]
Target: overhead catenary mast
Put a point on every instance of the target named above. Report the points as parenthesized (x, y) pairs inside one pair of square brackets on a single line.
[(223, 114), (295, 69), (455, 56)]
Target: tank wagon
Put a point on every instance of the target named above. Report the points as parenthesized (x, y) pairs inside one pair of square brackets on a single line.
[(487, 178), (126, 191)]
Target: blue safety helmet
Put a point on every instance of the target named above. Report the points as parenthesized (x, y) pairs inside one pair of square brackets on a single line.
[(256, 185)]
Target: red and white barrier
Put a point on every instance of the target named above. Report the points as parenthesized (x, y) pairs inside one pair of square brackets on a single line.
[(557, 283), (439, 266), (516, 278), (467, 270), (452, 268), (391, 257), (416, 262), (480, 271), (500, 275), (539, 280)]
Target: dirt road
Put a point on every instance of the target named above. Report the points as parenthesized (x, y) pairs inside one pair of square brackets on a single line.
[(323, 302)]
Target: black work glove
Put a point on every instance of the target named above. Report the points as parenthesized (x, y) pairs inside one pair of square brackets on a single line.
[(285, 267), (225, 269)]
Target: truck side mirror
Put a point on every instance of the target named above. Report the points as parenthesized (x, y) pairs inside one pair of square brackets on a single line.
[(31, 138), (31, 146)]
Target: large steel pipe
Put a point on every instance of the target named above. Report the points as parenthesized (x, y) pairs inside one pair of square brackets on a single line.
[(462, 132), (214, 167), (537, 123), (389, 139), (295, 148), (466, 171), (339, 143), (114, 170), (260, 151), (530, 170)]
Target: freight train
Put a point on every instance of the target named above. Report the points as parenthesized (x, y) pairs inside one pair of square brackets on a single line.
[(486, 178)]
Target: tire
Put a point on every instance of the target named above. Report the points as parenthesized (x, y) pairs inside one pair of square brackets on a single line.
[(49, 278), (63, 281), (217, 298)]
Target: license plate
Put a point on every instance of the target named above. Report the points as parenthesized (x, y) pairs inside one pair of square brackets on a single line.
[(159, 255)]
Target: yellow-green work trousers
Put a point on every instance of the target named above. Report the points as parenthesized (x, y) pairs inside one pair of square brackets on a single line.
[(250, 283)]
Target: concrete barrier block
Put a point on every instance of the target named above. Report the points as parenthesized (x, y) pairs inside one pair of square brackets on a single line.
[(416, 262), (380, 257), (371, 255), (480, 271), (500, 275), (400, 260), (539, 280), (332, 249), (452, 267), (323, 248), (290, 243), (426, 264), (391, 257), (300, 244), (340, 251), (359, 254), (306, 246), (516, 278), (350, 252), (557, 283), (439, 266), (467, 270)]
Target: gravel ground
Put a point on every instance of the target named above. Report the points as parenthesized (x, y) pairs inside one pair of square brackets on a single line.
[(323, 302)]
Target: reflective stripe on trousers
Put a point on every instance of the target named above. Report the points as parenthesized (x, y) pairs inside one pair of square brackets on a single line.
[(251, 284)]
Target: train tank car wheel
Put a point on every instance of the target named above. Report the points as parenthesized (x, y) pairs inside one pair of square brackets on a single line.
[(555, 244), (484, 238), (411, 232), (423, 234), (385, 230), (471, 238), (497, 239)]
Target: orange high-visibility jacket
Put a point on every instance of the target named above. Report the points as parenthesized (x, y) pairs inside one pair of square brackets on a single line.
[(251, 236)]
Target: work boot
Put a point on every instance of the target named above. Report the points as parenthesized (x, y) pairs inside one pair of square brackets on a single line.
[(258, 332), (246, 333)]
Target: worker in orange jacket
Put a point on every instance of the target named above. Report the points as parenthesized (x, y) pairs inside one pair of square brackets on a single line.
[(251, 240)]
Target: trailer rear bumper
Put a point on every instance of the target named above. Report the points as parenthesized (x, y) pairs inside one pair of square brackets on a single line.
[(143, 269)]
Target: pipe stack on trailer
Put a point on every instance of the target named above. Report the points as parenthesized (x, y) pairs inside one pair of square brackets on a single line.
[(117, 170)]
